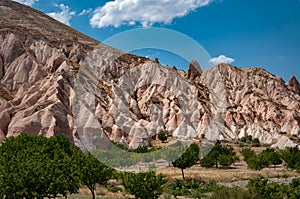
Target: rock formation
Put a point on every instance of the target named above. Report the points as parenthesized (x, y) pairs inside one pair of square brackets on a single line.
[(55, 80)]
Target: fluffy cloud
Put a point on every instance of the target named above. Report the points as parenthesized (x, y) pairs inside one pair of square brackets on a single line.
[(146, 12), (85, 12), (64, 16), (27, 2), (222, 59)]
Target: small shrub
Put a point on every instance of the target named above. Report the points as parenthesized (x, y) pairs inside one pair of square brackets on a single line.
[(163, 136), (232, 193)]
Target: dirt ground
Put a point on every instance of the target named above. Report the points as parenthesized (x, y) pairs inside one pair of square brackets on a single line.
[(237, 172)]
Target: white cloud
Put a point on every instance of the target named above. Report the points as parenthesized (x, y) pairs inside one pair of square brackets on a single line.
[(222, 59), (146, 12), (86, 12), (64, 16), (27, 2)]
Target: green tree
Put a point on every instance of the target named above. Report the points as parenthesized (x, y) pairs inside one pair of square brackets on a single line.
[(258, 162), (272, 157), (94, 172), (162, 136), (225, 156), (256, 142), (225, 160), (188, 158), (207, 162), (247, 153), (143, 185), (37, 167), (291, 156)]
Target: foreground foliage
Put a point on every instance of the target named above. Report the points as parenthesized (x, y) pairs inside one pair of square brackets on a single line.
[(36, 167), (261, 188), (143, 185), (39, 167)]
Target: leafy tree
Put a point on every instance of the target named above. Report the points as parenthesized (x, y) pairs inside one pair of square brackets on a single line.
[(94, 172), (37, 167), (162, 136), (143, 185), (291, 156), (247, 153), (258, 162), (272, 157), (188, 158), (207, 162), (256, 142), (225, 160), (225, 156), (141, 149), (249, 140), (246, 139)]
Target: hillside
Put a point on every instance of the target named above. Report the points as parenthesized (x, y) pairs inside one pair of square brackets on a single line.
[(55, 80)]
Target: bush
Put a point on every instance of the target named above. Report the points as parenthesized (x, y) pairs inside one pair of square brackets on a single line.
[(204, 189), (143, 185), (180, 188), (261, 188), (232, 193), (163, 136)]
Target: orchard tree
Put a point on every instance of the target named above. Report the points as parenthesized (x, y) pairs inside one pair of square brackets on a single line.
[(143, 185), (219, 155), (188, 158), (291, 157), (37, 167), (247, 153), (94, 172), (272, 157)]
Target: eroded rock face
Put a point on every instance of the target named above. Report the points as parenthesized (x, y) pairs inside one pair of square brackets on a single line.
[(293, 84), (73, 85), (259, 104)]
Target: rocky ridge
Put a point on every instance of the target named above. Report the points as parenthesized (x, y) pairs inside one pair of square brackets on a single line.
[(55, 80)]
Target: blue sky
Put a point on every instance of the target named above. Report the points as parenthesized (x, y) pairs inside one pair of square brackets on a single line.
[(245, 33)]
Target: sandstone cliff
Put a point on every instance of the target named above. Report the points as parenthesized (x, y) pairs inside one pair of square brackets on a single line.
[(55, 80)]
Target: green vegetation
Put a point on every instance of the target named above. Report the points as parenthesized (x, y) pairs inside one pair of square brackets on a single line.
[(163, 136), (264, 159), (35, 167), (249, 140), (219, 155), (261, 188), (143, 185), (38, 167), (188, 158), (291, 157), (232, 193), (94, 172), (192, 188)]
